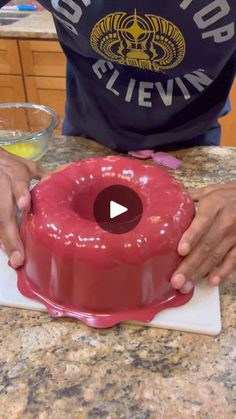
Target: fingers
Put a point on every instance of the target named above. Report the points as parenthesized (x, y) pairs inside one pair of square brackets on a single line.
[(198, 193), (187, 279), (36, 171), (213, 259), (225, 269), (205, 217), (208, 246), (21, 175), (20, 190), (206, 255), (10, 161), (24, 200), (9, 233), (15, 176), (201, 192), (187, 287)]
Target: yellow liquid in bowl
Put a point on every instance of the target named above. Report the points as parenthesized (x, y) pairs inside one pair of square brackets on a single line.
[(27, 150)]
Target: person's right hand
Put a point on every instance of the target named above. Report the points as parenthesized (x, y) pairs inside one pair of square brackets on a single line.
[(15, 176)]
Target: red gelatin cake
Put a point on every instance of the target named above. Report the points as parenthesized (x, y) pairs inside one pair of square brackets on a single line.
[(78, 269)]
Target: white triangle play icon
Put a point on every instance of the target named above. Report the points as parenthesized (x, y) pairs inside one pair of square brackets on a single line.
[(116, 209)]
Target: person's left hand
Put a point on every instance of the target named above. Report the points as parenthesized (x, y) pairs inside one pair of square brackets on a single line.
[(209, 244)]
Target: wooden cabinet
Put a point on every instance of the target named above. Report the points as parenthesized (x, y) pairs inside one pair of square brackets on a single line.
[(11, 80), (42, 58), (33, 71), (11, 89), (9, 57), (48, 91), (44, 68), (228, 122)]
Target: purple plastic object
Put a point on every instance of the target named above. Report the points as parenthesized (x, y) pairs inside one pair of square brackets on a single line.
[(165, 159), (160, 157), (142, 154)]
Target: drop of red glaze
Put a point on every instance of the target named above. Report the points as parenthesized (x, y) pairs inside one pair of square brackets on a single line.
[(76, 269)]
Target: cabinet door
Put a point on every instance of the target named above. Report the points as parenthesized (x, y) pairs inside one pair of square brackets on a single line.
[(11, 89), (9, 57), (228, 122), (48, 91), (42, 58)]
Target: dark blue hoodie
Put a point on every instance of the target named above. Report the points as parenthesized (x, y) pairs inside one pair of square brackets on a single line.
[(146, 73)]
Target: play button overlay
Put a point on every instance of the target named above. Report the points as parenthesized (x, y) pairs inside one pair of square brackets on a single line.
[(118, 209)]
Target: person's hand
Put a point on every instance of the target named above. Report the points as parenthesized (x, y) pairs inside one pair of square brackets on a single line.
[(15, 176), (209, 244)]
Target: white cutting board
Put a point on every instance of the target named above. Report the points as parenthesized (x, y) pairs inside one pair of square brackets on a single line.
[(200, 315)]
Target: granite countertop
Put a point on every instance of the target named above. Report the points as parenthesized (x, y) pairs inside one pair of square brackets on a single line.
[(63, 369), (36, 25)]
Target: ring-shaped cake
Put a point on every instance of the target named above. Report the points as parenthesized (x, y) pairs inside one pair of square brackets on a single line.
[(77, 269)]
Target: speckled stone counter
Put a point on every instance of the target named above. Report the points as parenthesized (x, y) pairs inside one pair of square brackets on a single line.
[(63, 369), (37, 25)]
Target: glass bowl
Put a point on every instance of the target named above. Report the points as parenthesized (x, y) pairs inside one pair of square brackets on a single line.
[(26, 129)]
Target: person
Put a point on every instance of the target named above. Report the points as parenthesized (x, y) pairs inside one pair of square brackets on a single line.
[(144, 75)]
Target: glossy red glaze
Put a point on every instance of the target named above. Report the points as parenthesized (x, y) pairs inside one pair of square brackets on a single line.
[(76, 269)]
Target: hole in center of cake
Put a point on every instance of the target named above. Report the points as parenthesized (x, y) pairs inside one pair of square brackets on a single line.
[(83, 203)]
